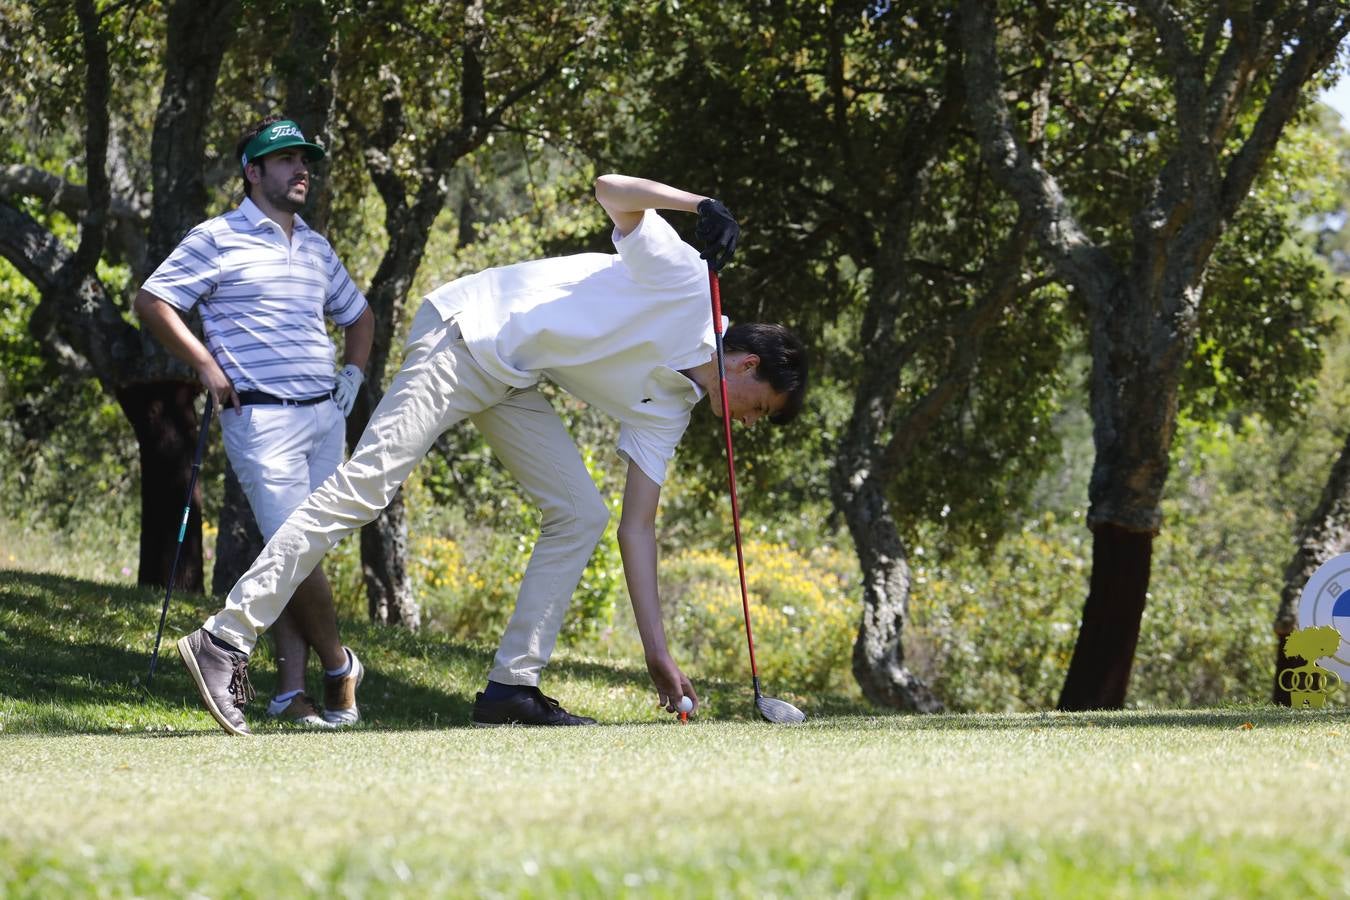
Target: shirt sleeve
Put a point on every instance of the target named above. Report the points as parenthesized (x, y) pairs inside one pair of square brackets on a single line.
[(189, 273), (652, 449), (654, 254), (344, 303)]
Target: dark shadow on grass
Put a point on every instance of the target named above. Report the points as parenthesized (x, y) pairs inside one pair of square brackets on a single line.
[(81, 642), (76, 642)]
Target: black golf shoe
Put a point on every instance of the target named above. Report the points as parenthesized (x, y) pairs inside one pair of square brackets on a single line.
[(221, 677), (528, 707)]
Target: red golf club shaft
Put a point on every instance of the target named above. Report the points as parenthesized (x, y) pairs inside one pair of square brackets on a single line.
[(731, 467)]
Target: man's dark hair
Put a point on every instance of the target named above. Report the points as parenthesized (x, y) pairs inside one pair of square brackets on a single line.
[(782, 362), (243, 142)]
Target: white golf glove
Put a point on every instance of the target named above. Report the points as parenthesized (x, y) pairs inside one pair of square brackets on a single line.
[(349, 381)]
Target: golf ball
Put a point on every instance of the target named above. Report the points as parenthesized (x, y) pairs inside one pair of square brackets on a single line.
[(685, 704)]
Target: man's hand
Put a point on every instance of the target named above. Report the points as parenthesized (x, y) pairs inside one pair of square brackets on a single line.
[(717, 231), (671, 683), (218, 384), (349, 381)]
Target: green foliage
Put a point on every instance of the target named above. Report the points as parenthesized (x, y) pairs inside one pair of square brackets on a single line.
[(803, 609), (993, 630), (1260, 334), (69, 454), (467, 583)]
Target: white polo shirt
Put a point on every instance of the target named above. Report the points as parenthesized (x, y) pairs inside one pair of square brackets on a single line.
[(613, 331), (263, 299)]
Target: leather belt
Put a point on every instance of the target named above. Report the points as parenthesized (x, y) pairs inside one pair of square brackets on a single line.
[(249, 398)]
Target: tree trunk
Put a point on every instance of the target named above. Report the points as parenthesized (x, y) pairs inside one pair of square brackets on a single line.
[(384, 555), (878, 652), (1099, 672), (238, 540), (164, 416), (1325, 535), (1134, 410), (198, 32), (162, 412), (307, 64), (384, 542)]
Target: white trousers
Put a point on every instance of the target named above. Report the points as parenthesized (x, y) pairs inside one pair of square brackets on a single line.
[(440, 385), (280, 454)]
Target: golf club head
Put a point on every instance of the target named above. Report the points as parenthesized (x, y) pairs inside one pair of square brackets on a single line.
[(779, 712)]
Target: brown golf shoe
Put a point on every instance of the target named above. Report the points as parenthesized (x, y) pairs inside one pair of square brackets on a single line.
[(339, 694), (301, 711), (221, 677)]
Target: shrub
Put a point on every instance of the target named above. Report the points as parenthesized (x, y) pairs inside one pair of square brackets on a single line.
[(803, 609), (467, 586), (993, 630)]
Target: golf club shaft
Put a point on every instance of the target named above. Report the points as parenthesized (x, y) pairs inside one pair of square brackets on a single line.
[(731, 466), (182, 532)]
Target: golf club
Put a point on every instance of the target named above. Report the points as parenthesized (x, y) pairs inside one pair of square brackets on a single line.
[(779, 712), (182, 530)]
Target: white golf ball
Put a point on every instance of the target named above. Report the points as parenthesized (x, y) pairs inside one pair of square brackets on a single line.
[(685, 704)]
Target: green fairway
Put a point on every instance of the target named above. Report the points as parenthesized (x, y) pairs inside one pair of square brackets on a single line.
[(111, 790), (1152, 805)]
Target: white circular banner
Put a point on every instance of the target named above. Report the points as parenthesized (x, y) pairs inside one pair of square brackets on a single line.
[(1326, 601)]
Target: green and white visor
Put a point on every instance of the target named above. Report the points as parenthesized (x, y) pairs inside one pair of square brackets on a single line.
[(280, 135)]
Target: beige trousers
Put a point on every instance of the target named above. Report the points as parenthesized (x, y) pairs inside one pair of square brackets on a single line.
[(440, 385)]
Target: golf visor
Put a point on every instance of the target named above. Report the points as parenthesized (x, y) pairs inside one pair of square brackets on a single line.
[(280, 135)]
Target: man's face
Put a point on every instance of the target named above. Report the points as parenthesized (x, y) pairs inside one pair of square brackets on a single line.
[(749, 398), (283, 180)]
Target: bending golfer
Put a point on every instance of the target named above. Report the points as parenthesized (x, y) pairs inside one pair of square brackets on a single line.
[(265, 281), (630, 334)]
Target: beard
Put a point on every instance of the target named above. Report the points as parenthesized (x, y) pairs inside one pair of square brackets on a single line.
[(280, 198)]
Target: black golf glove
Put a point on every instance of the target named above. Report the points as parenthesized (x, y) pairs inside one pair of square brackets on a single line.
[(717, 231)]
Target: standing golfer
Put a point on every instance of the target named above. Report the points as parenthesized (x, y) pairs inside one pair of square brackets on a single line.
[(265, 281), (631, 334)]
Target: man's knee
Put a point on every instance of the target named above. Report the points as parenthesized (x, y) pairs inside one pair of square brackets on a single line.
[(354, 502), (594, 516), (585, 520)]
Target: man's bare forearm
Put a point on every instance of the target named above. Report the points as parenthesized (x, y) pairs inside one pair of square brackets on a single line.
[(170, 330), (357, 340)]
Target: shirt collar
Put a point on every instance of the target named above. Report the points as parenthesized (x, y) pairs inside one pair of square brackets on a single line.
[(258, 219), (689, 390)]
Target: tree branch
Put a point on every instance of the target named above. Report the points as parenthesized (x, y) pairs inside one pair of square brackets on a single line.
[(78, 324), (1037, 192), (965, 332), (1317, 42), (1231, 77), (1188, 74), (96, 99), (66, 197)]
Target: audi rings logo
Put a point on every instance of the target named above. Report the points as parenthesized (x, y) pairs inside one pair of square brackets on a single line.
[(1309, 680)]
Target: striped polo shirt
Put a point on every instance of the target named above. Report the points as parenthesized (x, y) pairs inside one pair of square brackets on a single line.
[(263, 300)]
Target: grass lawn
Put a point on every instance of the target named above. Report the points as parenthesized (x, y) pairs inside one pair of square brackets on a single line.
[(106, 789)]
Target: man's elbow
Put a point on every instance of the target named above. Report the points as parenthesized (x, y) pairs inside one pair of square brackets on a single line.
[(609, 190), (631, 531), (144, 304)]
